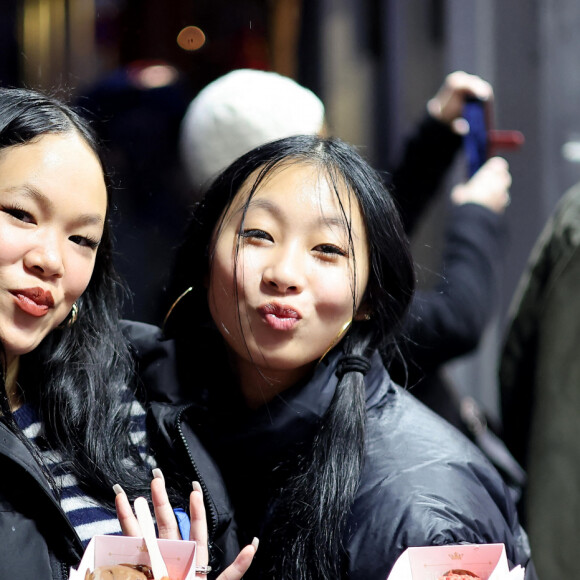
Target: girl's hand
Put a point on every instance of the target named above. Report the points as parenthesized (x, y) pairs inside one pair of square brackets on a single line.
[(168, 529)]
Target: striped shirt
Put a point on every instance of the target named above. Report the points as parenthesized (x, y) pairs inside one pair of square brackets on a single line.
[(88, 517)]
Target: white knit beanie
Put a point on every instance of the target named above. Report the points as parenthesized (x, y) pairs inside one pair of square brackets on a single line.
[(239, 111)]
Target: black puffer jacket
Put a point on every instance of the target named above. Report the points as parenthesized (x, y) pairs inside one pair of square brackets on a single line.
[(423, 483), (37, 539), (178, 450)]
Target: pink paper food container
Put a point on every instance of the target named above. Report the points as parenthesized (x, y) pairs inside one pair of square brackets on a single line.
[(179, 555), (488, 561)]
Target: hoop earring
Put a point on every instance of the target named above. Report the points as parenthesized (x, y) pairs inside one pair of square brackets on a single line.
[(182, 295), (71, 318), (337, 338)]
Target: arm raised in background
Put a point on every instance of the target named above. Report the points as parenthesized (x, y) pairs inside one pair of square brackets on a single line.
[(429, 152), (448, 320)]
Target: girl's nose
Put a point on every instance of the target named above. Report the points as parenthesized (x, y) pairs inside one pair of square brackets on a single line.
[(45, 258), (285, 272)]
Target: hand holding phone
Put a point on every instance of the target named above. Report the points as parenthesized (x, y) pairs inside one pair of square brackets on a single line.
[(482, 141)]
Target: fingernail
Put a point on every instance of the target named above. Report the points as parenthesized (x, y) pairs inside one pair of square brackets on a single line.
[(255, 543), (197, 487), (158, 474), (118, 489)]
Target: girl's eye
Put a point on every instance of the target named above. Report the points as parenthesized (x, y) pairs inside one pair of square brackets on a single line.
[(19, 214), (330, 249), (256, 234), (87, 242)]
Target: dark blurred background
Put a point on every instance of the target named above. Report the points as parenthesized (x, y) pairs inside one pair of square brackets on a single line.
[(374, 63)]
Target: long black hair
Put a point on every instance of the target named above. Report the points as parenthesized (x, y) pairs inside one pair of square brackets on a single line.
[(78, 374), (304, 538)]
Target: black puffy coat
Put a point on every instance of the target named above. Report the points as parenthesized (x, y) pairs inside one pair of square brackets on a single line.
[(37, 539), (423, 483)]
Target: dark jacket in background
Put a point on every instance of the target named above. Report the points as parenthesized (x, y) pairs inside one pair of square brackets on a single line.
[(427, 157), (448, 319), (540, 389)]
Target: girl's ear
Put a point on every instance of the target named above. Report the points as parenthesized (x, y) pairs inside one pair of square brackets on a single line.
[(363, 313)]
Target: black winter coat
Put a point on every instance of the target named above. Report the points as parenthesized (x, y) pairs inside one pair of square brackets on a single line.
[(37, 541), (423, 483)]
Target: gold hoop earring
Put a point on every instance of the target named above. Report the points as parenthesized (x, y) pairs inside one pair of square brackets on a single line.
[(337, 338), (182, 295), (72, 316)]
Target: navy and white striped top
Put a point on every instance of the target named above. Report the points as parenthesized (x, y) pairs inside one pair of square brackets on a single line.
[(84, 513)]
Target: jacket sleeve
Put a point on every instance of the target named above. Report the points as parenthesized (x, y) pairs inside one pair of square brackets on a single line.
[(448, 320), (427, 156), (549, 282), (425, 484)]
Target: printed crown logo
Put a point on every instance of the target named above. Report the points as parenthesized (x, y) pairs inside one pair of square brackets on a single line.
[(456, 556)]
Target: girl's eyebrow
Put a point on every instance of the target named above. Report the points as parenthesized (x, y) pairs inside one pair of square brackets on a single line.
[(31, 192), (274, 208)]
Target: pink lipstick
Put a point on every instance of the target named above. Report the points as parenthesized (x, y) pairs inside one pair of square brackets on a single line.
[(34, 301), (279, 316)]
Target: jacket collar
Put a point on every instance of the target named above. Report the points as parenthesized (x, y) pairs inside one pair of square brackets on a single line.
[(291, 418)]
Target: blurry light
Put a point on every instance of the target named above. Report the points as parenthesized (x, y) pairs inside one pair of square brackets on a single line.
[(154, 76), (191, 38), (571, 151)]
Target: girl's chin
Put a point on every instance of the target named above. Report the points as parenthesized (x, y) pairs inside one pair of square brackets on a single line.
[(278, 364)]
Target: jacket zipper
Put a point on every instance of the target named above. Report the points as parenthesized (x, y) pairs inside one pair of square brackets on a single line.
[(209, 506)]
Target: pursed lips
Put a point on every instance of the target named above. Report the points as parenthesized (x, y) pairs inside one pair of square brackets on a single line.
[(279, 316), (35, 301)]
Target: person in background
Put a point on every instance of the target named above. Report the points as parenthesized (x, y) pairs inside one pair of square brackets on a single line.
[(540, 388), (136, 112), (239, 111)]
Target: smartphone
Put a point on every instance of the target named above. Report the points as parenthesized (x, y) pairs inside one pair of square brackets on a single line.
[(475, 143), (482, 141)]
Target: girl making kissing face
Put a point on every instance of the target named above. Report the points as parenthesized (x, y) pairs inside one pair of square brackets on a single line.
[(296, 270), (299, 254), (298, 276)]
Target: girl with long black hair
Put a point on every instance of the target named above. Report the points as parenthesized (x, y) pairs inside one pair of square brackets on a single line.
[(293, 280), (70, 426)]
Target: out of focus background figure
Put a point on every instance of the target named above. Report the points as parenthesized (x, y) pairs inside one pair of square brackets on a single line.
[(239, 111), (137, 111), (540, 382)]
